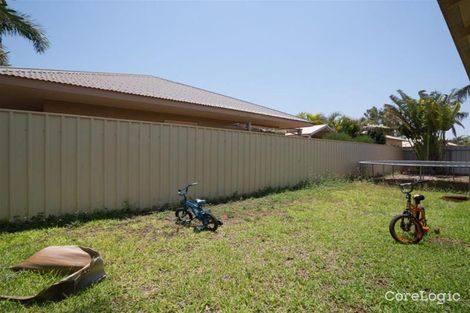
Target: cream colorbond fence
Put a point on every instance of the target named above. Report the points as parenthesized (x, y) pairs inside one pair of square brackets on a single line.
[(57, 164)]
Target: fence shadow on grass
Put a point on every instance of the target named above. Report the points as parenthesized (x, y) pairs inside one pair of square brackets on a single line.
[(41, 221)]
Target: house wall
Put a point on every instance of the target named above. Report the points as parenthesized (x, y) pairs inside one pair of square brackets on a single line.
[(57, 164), (119, 113), (31, 95), (393, 142)]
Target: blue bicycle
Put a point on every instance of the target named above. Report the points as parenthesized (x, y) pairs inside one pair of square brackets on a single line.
[(194, 209)]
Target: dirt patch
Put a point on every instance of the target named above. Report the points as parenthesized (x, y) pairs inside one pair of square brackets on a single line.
[(455, 198), (289, 261), (303, 273), (148, 291), (460, 183), (381, 282), (228, 220)]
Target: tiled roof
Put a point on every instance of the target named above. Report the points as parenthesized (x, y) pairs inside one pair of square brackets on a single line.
[(144, 85)]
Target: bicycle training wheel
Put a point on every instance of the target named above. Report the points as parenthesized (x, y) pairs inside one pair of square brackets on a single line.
[(405, 229), (212, 222)]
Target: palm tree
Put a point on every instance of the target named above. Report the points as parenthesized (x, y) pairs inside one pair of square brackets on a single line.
[(15, 23), (334, 120), (344, 124), (450, 115), (449, 111), (315, 118), (463, 93), (425, 121)]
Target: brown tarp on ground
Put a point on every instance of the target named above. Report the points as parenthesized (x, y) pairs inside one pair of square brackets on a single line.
[(84, 266)]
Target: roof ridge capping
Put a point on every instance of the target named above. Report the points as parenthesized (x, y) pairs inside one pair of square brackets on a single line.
[(27, 69)]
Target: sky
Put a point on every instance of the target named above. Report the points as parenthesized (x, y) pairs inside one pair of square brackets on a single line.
[(312, 56)]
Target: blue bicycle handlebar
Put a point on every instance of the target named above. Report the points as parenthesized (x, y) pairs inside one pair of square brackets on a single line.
[(185, 189)]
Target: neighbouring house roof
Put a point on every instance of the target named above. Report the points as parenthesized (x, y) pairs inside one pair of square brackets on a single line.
[(312, 130), (373, 126), (457, 16), (405, 143), (395, 138), (146, 86)]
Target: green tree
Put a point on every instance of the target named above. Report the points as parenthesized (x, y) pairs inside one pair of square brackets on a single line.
[(315, 118), (377, 135), (373, 116), (346, 127), (349, 126), (14, 23), (337, 136), (415, 118), (344, 124), (377, 116), (364, 139), (450, 114), (425, 121), (334, 120)]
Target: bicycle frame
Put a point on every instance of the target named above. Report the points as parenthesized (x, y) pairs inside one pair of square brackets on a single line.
[(197, 210), (413, 209), (410, 226), (194, 209), (191, 205)]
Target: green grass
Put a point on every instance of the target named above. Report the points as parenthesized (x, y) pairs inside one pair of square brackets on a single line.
[(325, 249)]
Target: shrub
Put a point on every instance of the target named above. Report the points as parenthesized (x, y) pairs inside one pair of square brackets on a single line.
[(364, 138), (338, 136), (378, 135)]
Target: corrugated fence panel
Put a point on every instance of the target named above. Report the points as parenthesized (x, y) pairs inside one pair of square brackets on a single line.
[(4, 166), (57, 164), (36, 168), (18, 178), (458, 153), (452, 153)]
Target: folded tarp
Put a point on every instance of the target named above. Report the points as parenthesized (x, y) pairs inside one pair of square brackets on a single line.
[(84, 267)]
